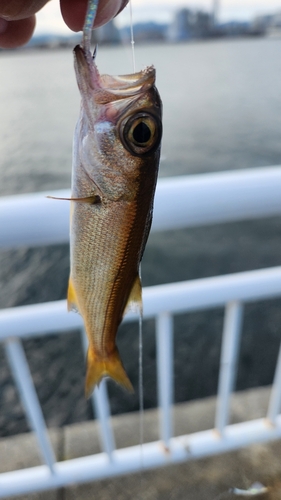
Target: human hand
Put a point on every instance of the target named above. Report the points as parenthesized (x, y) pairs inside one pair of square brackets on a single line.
[(17, 17)]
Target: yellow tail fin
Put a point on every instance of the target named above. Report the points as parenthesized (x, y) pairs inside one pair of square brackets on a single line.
[(97, 368)]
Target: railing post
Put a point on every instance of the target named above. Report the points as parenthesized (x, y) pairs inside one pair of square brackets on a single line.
[(275, 396), (101, 409), (228, 362), (164, 344), (20, 370)]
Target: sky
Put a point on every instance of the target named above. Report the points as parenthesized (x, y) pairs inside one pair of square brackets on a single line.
[(49, 19)]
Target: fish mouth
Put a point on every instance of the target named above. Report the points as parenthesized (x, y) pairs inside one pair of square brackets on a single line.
[(107, 88)]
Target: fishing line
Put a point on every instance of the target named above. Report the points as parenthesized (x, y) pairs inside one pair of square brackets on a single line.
[(141, 404), (132, 37), (141, 379)]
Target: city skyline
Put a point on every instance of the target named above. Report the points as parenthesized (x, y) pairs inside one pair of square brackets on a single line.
[(49, 19)]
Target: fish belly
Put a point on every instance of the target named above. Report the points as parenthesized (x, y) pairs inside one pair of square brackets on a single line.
[(105, 250)]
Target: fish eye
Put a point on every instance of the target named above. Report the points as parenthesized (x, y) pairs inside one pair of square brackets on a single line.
[(141, 133)]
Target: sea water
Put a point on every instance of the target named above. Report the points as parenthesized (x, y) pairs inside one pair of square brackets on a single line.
[(222, 108)]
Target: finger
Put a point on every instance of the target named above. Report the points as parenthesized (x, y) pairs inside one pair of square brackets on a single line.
[(108, 9), (16, 33), (74, 12), (13, 10), (123, 5)]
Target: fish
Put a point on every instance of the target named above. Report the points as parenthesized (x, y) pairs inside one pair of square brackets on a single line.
[(116, 153)]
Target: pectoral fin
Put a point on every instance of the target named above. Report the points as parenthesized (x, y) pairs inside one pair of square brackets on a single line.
[(72, 304), (92, 200), (134, 303)]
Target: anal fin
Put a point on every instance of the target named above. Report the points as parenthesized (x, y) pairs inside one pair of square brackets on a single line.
[(134, 303), (72, 303)]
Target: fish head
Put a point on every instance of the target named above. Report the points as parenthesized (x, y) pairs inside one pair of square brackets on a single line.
[(120, 126)]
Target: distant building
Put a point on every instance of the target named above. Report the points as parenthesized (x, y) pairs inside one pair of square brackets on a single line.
[(52, 41), (180, 28), (268, 24), (260, 24), (145, 32), (235, 28), (188, 24), (106, 34), (215, 13), (274, 27), (202, 22)]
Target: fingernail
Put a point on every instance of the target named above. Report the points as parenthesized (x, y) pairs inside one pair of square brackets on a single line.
[(3, 25)]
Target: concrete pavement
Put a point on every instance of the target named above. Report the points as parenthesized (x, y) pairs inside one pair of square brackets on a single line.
[(206, 479)]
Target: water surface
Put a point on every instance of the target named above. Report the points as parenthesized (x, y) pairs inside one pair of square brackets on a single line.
[(222, 108)]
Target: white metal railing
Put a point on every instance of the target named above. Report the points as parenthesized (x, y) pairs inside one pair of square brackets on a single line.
[(180, 202)]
